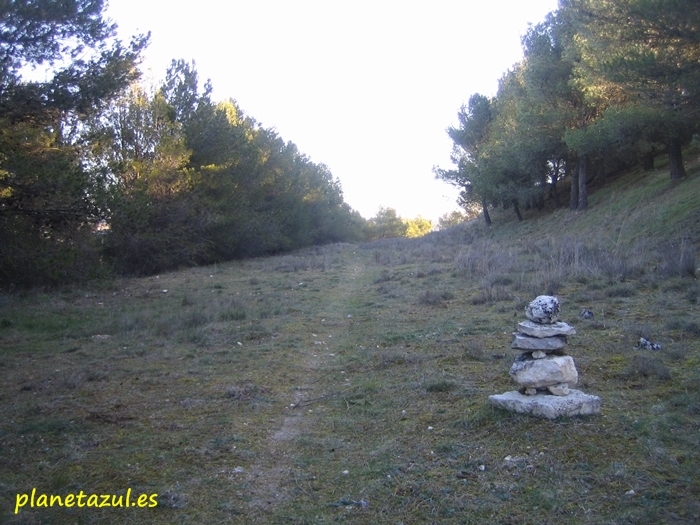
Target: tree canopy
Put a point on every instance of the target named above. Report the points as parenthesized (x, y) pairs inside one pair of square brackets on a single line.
[(100, 173), (49, 200), (603, 85)]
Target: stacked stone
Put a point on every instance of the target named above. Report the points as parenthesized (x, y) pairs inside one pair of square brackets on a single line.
[(543, 365), (543, 368)]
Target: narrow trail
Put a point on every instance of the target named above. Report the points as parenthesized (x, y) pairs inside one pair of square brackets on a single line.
[(273, 478)]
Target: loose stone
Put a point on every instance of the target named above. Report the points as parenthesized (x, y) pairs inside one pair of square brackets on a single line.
[(549, 371), (562, 389), (525, 342), (645, 344), (544, 309), (586, 314), (534, 329)]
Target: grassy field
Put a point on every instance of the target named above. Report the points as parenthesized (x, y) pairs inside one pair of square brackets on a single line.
[(350, 383)]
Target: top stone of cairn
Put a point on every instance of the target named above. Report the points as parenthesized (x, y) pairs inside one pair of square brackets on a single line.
[(544, 310)]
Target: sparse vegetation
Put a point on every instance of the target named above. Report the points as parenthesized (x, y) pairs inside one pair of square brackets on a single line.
[(291, 389)]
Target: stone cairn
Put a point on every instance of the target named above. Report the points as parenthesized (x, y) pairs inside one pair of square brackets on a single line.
[(543, 370)]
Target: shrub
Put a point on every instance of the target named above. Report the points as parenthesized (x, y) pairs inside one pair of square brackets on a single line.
[(30, 260), (622, 290), (384, 277), (644, 366), (491, 294), (475, 350), (477, 259), (692, 328), (195, 319), (678, 259), (244, 392), (439, 386), (429, 297)]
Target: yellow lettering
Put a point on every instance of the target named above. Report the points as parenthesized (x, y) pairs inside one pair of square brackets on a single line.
[(21, 501), (82, 500)]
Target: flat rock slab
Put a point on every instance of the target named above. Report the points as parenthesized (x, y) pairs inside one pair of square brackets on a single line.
[(534, 329), (546, 344), (548, 406), (538, 373)]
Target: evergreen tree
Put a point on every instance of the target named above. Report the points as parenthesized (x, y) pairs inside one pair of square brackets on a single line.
[(469, 139), (49, 201), (450, 219), (650, 50), (418, 227), (386, 224)]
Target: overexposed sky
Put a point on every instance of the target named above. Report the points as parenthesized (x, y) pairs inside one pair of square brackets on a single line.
[(366, 87)]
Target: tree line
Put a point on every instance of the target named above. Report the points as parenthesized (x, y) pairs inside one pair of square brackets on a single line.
[(604, 85), (103, 175), (197, 182)]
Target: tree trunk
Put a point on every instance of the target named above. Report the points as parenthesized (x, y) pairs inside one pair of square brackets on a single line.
[(517, 210), (538, 200), (555, 194), (573, 203), (675, 158), (553, 186), (553, 189), (582, 190), (487, 217)]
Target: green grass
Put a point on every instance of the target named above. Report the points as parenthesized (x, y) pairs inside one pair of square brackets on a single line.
[(350, 383)]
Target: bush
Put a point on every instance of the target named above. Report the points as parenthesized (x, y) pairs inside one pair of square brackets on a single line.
[(431, 298), (644, 366), (439, 386), (621, 291), (28, 259), (678, 259)]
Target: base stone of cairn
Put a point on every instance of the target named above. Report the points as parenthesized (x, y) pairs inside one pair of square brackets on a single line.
[(548, 406), (543, 371)]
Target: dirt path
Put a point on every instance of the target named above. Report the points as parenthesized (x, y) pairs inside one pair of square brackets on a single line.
[(273, 478)]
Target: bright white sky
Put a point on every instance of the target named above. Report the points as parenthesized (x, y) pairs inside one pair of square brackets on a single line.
[(367, 87)]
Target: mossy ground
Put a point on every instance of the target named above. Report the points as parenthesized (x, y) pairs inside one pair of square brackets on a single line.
[(350, 383)]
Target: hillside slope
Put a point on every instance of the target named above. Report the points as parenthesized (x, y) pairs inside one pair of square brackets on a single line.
[(623, 209), (350, 383)]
